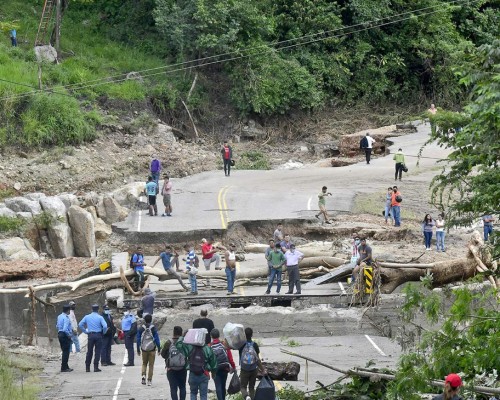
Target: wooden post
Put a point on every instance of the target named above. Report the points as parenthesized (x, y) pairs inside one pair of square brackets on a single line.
[(40, 75), (58, 26)]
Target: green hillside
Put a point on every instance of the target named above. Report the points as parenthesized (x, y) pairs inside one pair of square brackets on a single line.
[(260, 58)]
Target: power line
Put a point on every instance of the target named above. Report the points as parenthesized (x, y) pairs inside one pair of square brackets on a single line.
[(82, 85), (18, 83)]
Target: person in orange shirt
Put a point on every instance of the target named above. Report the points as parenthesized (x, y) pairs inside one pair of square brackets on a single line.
[(396, 206)]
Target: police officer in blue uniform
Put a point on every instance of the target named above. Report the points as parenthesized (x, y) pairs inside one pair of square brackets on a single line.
[(64, 332), (94, 326), (107, 339), (129, 328)]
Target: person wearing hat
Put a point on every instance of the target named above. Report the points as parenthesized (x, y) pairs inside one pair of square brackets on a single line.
[(129, 329), (64, 333), (107, 338), (94, 326), (74, 326), (293, 258), (452, 385)]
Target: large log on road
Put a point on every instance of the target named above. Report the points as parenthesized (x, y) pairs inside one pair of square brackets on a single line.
[(443, 272)]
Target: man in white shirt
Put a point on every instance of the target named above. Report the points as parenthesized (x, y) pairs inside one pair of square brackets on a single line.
[(74, 326), (368, 147), (293, 258)]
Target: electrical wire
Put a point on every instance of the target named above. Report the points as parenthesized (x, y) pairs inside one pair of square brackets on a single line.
[(83, 85)]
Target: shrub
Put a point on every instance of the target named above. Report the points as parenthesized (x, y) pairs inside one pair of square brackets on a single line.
[(252, 160), (9, 224)]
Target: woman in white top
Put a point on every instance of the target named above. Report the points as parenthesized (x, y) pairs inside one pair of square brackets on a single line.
[(230, 268), (440, 233)]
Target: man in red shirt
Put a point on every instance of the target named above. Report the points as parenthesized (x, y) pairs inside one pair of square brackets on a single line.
[(210, 254), (396, 206), (227, 155)]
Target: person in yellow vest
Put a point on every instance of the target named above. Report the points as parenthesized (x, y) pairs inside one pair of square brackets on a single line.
[(399, 157)]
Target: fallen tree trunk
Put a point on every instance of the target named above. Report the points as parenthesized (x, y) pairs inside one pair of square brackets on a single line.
[(443, 272), (308, 252)]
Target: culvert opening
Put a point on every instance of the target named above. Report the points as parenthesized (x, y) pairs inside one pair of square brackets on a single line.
[(281, 303), (239, 304)]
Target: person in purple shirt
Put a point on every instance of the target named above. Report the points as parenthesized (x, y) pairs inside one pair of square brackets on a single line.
[(293, 258)]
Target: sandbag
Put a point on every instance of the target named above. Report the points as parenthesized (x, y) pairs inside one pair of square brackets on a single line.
[(196, 337), (265, 390), (234, 335), (234, 385)]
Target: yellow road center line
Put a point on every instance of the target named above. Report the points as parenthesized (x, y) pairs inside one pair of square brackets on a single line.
[(225, 205), (221, 210)]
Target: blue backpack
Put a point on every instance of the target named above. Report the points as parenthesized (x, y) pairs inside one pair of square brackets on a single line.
[(249, 357)]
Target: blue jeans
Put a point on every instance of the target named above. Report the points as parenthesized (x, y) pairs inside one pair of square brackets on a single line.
[(488, 230), (275, 273), (177, 381), (387, 211), (156, 177), (198, 383), (440, 240), (428, 238), (231, 277), (220, 384), (396, 214), (75, 339), (193, 283)]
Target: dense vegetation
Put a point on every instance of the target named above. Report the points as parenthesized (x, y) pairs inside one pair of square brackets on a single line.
[(260, 57)]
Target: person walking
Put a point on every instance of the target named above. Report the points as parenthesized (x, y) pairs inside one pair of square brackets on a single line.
[(148, 302), (293, 258), (204, 322), (396, 206), (107, 338), (74, 326), (230, 257), (225, 363), (366, 144), (440, 234), (175, 363), (201, 363), (387, 209), (427, 227), (64, 332), (266, 254), (451, 390), (399, 157), (191, 267), (169, 257), (250, 365), (166, 193), (129, 329), (277, 260), (487, 226), (322, 204), (148, 342), (13, 37), (155, 169), (94, 326), (227, 155), (151, 190)]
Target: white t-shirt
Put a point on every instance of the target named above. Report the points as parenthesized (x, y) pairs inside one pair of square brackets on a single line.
[(370, 141)]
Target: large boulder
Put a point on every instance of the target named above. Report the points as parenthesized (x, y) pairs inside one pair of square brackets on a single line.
[(34, 196), (110, 210), (166, 133), (69, 200), (17, 249), (82, 226), (59, 232), (22, 204), (101, 229), (46, 53), (129, 194), (7, 212)]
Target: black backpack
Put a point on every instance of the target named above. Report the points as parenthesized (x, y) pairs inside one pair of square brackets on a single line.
[(363, 144), (221, 356), (197, 360), (398, 198)]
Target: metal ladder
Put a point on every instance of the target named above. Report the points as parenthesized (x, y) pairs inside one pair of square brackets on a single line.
[(48, 8)]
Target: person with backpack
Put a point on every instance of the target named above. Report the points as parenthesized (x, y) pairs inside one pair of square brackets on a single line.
[(366, 144), (227, 154), (250, 364), (175, 364), (201, 362), (148, 342), (205, 323), (155, 170), (396, 200), (129, 329), (151, 189), (225, 363), (137, 264)]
